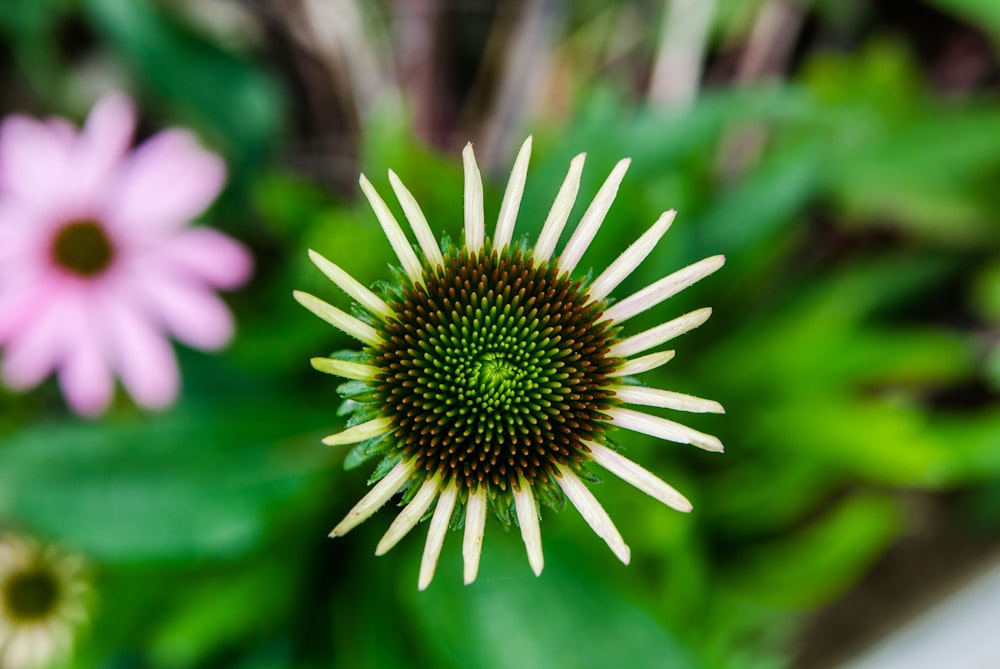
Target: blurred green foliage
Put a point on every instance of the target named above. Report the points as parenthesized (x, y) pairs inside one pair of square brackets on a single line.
[(862, 280)]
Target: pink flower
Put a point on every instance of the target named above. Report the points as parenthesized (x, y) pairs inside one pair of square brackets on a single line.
[(97, 262)]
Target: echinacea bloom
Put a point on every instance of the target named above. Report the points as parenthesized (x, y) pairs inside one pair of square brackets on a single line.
[(489, 376), (97, 262), (43, 602)]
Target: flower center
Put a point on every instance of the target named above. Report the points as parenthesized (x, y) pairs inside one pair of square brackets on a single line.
[(30, 594), (83, 248), (499, 377), (495, 369)]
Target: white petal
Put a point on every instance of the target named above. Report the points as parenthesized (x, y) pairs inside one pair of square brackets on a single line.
[(351, 286), (475, 523), (512, 197), (626, 263), (418, 222), (345, 369), (435, 535), (410, 515), (475, 221), (593, 513), (662, 428), (666, 287), (560, 211), (531, 533), (592, 218), (666, 399), (388, 486), (637, 476), (341, 320), (353, 435), (661, 333), (643, 364), (400, 244)]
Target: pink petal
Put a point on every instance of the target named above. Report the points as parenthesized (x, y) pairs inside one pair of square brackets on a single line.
[(193, 314), (168, 181), (34, 159), (12, 224), (86, 380), (143, 357), (13, 305), (85, 375), (21, 305), (63, 130), (22, 231), (105, 139), (37, 347), (209, 256)]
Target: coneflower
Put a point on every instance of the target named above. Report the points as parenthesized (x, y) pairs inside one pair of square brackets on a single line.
[(490, 376)]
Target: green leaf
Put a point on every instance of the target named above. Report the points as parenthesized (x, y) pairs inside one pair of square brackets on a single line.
[(235, 103), (30, 31), (982, 13), (200, 482), (817, 564), (767, 200), (509, 619), (876, 440), (219, 612), (898, 156), (972, 443)]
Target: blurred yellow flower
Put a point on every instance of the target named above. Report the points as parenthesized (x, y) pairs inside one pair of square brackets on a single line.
[(43, 597)]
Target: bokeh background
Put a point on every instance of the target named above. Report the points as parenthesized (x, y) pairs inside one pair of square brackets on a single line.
[(843, 154)]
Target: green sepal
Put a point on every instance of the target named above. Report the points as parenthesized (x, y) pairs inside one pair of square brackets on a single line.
[(363, 414), (384, 466), (388, 291), (501, 502), (348, 407), (605, 440), (412, 487), (356, 457), (350, 355), (550, 494), (448, 247), (584, 474), (356, 390), (400, 282), (459, 514), (365, 316), (366, 450)]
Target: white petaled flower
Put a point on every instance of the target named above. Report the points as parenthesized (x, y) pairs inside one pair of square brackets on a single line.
[(43, 602), (489, 376)]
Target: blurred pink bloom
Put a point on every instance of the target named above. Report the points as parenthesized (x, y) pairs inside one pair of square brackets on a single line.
[(97, 262)]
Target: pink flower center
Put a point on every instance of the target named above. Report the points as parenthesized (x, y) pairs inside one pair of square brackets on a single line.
[(83, 248)]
